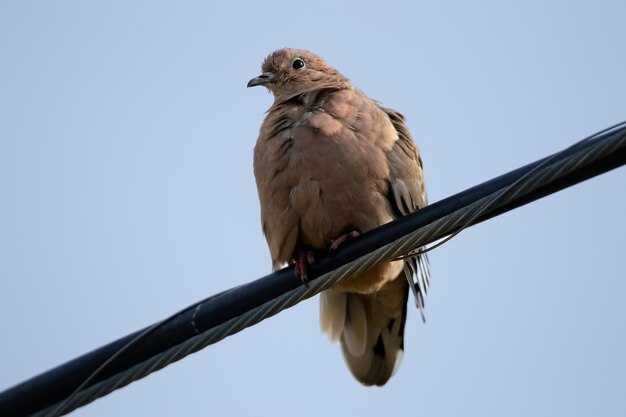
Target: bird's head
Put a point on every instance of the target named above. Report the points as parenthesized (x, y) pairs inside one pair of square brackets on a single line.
[(287, 72)]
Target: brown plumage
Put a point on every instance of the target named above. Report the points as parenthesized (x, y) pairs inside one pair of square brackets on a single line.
[(329, 161)]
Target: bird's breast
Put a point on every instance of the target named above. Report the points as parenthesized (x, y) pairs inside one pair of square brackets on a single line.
[(321, 170)]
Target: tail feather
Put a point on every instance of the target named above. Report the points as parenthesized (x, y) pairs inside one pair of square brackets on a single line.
[(356, 331), (370, 328), (332, 313), (417, 272)]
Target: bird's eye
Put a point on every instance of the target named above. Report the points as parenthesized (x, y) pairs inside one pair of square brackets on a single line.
[(298, 64)]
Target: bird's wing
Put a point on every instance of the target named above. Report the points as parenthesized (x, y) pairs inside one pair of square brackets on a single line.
[(407, 194)]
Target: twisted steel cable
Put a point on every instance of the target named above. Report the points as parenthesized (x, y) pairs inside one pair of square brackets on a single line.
[(451, 224), (594, 155)]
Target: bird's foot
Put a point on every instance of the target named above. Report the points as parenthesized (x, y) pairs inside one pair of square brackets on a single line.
[(305, 258), (335, 243)]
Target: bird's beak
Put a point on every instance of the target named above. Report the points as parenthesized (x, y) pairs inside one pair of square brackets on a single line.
[(264, 78)]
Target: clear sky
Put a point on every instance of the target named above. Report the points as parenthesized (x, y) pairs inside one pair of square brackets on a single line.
[(126, 193)]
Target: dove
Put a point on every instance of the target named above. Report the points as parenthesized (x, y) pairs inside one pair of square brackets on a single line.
[(330, 163)]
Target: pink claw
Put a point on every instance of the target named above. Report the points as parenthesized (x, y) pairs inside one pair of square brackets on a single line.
[(304, 259), (335, 243)]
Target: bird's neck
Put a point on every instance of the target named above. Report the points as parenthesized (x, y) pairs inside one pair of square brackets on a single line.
[(311, 90)]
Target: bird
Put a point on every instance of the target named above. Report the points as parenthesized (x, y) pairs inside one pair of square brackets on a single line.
[(330, 163)]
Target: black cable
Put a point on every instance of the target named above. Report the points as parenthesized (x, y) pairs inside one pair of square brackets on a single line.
[(53, 386)]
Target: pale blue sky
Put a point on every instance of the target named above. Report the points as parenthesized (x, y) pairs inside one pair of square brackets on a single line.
[(126, 193)]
